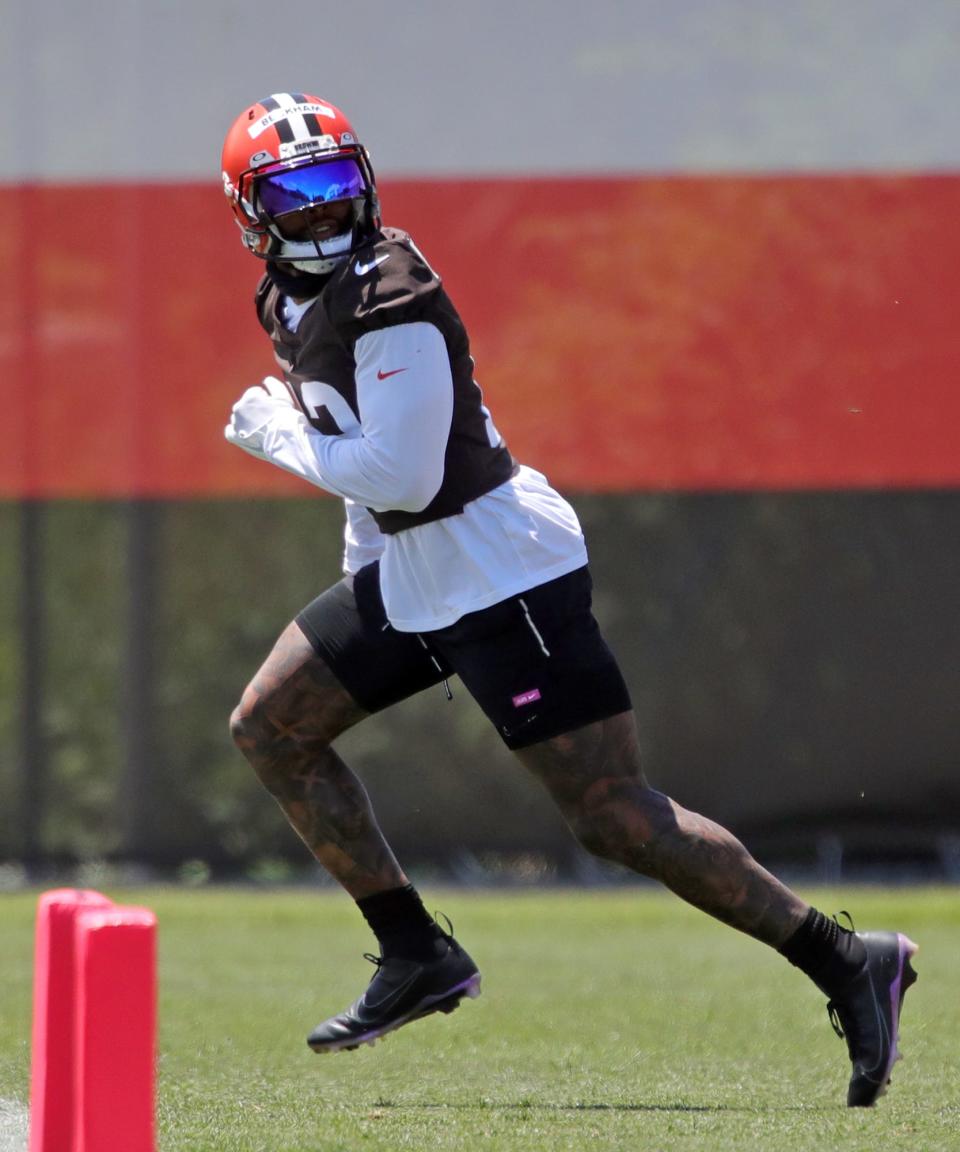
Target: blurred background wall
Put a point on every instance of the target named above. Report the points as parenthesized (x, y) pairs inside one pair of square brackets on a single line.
[(710, 261)]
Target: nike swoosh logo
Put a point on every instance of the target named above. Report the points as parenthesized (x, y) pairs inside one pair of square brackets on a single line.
[(381, 375), (884, 1032), (395, 995), (363, 269)]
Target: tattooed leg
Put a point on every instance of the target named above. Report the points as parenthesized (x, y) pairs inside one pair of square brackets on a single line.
[(594, 775), (290, 713)]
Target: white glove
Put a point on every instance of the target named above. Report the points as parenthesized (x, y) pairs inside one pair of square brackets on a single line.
[(258, 408)]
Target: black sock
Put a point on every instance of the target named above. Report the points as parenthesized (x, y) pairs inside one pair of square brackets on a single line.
[(830, 955), (401, 924)]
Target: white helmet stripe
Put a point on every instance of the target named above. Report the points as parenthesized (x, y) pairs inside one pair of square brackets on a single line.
[(288, 114), (294, 112)]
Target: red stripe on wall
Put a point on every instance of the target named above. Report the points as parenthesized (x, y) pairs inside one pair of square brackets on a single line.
[(674, 333)]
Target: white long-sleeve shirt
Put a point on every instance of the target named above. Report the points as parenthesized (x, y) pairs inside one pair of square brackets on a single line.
[(521, 534)]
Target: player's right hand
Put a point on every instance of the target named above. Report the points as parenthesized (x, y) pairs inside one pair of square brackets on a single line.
[(255, 411)]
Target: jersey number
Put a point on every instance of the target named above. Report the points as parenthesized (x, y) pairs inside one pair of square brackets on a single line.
[(319, 398)]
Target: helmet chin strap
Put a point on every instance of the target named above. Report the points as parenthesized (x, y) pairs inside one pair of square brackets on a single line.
[(325, 266), (316, 256)]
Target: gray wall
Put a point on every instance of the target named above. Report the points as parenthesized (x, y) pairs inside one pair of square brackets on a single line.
[(145, 89)]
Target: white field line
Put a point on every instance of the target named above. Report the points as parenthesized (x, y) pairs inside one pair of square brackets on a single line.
[(13, 1126)]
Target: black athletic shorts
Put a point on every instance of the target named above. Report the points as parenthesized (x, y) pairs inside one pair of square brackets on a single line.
[(536, 663)]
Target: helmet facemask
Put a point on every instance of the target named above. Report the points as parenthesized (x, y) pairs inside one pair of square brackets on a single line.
[(277, 195)]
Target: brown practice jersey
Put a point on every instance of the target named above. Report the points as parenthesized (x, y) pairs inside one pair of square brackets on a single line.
[(387, 282)]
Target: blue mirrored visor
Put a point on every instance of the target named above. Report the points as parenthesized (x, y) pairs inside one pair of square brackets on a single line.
[(287, 191)]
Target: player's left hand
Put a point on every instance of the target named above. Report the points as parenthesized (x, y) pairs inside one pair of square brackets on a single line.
[(255, 411)]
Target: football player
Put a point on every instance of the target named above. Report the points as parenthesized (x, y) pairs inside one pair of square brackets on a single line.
[(458, 560)]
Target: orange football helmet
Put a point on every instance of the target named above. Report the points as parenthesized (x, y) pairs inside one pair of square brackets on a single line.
[(286, 154)]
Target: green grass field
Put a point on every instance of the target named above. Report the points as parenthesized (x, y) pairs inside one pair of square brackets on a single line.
[(610, 1019)]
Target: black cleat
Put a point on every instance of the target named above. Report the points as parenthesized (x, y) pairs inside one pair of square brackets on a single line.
[(400, 992), (867, 1013)]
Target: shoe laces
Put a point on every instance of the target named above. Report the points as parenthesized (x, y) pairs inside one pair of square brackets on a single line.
[(448, 935), (379, 961), (836, 919), (832, 1006)]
